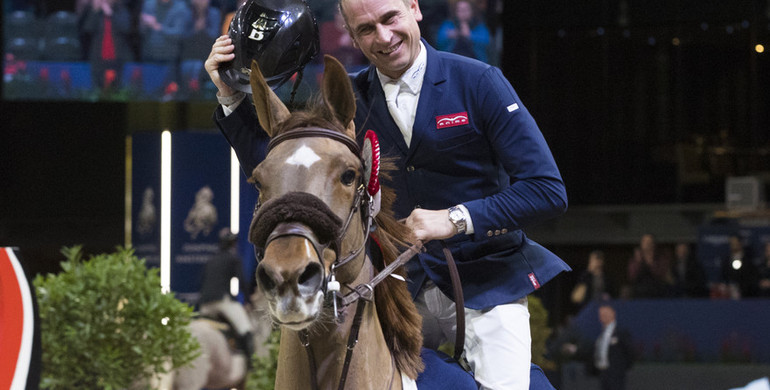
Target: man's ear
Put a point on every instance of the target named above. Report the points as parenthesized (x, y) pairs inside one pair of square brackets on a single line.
[(414, 7)]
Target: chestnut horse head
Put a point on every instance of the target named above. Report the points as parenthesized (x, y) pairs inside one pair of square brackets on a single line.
[(312, 227)]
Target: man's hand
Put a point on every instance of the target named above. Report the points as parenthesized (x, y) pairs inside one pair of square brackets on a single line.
[(221, 51), (151, 22), (430, 224)]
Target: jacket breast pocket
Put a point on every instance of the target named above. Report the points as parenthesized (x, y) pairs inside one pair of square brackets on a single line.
[(455, 137)]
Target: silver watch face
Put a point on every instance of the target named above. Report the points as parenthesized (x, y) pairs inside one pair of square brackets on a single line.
[(456, 215)]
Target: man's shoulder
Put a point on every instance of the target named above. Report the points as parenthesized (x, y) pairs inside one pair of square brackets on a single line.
[(361, 78), (457, 63)]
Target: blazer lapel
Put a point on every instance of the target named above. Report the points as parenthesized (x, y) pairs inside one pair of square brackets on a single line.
[(431, 95)]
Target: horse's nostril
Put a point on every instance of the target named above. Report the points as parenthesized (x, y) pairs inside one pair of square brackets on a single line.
[(264, 280), (310, 279)]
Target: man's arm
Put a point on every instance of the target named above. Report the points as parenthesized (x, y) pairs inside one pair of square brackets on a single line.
[(537, 191), (237, 122)]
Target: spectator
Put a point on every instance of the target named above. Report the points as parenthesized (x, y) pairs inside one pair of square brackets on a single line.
[(594, 283), (567, 348), (465, 32), (336, 41), (201, 33), (216, 297), (688, 275), (107, 27), (163, 23), (763, 273), (613, 352), (649, 270)]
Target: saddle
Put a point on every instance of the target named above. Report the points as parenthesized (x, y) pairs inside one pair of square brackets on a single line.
[(221, 324)]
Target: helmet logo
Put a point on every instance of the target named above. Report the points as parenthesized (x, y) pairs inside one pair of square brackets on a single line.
[(261, 26)]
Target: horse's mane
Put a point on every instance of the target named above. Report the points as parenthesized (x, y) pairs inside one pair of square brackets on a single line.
[(400, 321)]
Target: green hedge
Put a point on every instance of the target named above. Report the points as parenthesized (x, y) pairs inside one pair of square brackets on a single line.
[(106, 325)]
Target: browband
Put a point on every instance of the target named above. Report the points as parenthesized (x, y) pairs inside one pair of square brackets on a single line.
[(303, 132)]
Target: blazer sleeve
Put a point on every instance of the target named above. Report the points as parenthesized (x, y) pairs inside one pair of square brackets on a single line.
[(536, 191), (242, 131)]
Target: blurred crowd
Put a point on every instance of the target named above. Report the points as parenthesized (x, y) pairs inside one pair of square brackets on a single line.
[(154, 49), (654, 271)]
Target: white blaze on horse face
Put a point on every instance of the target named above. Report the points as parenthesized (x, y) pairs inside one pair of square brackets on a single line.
[(303, 156)]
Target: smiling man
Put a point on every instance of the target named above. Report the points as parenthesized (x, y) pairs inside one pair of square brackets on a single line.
[(473, 170)]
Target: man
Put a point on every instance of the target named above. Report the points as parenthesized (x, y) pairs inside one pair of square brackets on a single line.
[(613, 352), (594, 283), (688, 275), (473, 169), (216, 299), (649, 270)]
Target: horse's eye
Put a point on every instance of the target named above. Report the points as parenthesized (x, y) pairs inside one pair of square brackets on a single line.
[(253, 180), (347, 177)]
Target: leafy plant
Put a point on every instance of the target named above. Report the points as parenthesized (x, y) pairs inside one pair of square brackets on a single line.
[(262, 375), (105, 324), (538, 325)]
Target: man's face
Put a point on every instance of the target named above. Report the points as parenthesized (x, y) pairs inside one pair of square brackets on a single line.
[(682, 251), (606, 315), (595, 263), (463, 11), (386, 31), (647, 242)]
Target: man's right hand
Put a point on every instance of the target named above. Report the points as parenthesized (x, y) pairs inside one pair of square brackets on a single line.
[(221, 52)]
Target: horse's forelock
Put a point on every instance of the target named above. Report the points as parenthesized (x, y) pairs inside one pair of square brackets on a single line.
[(316, 114)]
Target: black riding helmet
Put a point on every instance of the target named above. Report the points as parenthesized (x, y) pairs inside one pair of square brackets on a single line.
[(281, 35)]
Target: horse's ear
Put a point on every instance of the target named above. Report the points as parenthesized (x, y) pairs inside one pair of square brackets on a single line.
[(338, 93), (270, 109)]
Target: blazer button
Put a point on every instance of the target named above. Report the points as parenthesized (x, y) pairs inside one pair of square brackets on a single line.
[(504, 231), (410, 168), (497, 232), (489, 233)]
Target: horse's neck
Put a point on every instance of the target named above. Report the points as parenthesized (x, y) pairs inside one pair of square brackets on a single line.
[(371, 366)]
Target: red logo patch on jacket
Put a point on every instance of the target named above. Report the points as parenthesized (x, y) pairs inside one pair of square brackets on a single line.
[(452, 120), (533, 280)]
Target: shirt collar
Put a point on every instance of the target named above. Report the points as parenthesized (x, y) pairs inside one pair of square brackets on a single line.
[(413, 76)]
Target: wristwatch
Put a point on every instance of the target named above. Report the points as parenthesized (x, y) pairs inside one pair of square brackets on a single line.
[(457, 217)]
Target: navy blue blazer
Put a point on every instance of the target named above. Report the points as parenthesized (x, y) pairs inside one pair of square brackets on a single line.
[(473, 143)]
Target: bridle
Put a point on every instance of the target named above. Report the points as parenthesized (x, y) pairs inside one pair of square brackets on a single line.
[(362, 202)]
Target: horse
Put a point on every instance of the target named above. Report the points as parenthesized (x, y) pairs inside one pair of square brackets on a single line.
[(219, 364)]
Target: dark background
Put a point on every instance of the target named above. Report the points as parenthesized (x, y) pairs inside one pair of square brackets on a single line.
[(617, 87)]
